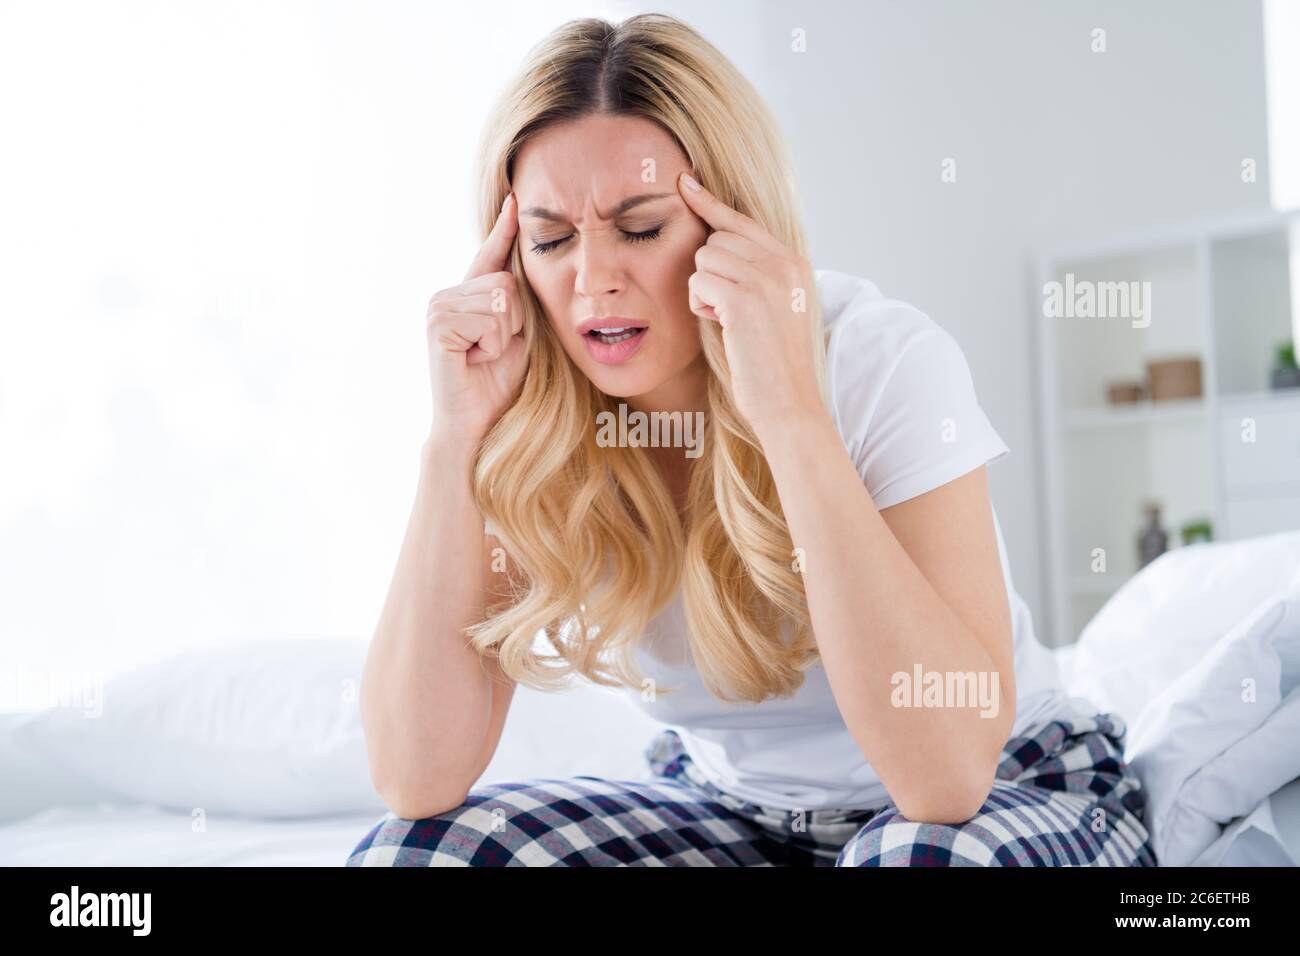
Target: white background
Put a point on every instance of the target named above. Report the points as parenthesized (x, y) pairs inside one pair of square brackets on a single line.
[(220, 223)]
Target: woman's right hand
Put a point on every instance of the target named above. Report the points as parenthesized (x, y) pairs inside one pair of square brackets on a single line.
[(476, 344)]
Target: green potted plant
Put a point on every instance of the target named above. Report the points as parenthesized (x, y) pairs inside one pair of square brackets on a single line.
[(1194, 531), (1285, 373)]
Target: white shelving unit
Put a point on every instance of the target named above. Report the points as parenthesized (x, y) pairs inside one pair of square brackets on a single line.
[(1226, 292)]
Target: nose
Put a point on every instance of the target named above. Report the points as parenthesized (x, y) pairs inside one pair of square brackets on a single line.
[(598, 269)]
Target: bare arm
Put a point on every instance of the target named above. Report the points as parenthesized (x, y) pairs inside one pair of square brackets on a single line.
[(431, 706), (931, 594)]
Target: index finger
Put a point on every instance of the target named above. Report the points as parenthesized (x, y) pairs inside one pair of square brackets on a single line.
[(722, 217), (495, 251)]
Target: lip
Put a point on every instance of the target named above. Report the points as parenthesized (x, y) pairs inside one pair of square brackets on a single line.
[(618, 352), (611, 322)]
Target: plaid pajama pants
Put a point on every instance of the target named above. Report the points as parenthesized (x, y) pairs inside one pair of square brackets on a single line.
[(1063, 796)]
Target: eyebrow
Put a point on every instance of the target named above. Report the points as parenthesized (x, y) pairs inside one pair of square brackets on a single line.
[(538, 212)]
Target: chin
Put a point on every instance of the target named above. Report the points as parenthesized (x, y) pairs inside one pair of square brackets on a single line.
[(626, 383)]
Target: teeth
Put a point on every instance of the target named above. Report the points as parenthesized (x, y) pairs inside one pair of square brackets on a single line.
[(613, 338), (611, 331)]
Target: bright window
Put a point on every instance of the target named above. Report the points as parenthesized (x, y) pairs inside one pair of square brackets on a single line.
[(221, 224)]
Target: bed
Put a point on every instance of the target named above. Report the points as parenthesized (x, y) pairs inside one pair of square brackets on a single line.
[(109, 834), (252, 754)]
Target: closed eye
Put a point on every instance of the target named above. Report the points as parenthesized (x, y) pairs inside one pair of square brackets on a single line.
[(542, 248)]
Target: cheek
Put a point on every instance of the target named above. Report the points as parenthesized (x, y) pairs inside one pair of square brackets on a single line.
[(683, 267), (673, 305), (686, 249), (545, 286), (673, 269), (535, 274)]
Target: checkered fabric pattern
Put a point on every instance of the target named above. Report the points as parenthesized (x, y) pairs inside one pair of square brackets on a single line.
[(1063, 797)]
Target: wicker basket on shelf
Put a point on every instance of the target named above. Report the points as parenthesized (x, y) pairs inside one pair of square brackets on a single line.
[(1174, 378)]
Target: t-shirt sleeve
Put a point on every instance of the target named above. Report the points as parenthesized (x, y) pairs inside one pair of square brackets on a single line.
[(923, 427)]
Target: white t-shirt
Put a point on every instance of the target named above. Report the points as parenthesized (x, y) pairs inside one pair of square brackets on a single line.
[(905, 405)]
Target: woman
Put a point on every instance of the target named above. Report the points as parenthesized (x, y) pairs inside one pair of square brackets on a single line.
[(644, 257)]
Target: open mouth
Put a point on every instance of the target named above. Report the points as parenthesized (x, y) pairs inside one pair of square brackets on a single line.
[(613, 342), (613, 336)]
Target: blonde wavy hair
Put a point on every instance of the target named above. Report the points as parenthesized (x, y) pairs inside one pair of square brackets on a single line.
[(595, 529)]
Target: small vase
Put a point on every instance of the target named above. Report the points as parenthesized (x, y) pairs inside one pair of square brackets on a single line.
[(1153, 541), (1285, 376)]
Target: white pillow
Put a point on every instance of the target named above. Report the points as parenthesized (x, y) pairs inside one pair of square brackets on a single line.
[(1165, 619), (1206, 751), (267, 727)]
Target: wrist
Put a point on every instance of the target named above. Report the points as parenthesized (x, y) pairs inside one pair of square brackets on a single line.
[(792, 424), (798, 448), (446, 449)]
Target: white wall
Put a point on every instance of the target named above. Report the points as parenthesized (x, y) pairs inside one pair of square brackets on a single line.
[(222, 222), (221, 225), (1054, 144)]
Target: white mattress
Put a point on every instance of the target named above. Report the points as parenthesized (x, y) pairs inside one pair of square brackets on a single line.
[(111, 834), (72, 827)]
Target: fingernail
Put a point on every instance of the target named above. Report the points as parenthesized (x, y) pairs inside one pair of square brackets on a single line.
[(690, 183), (505, 202)]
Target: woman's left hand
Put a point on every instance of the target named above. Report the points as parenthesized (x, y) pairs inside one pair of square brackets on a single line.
[(761, 294)]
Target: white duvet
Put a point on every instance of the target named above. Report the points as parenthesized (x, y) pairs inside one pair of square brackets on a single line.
[(1200, 653)]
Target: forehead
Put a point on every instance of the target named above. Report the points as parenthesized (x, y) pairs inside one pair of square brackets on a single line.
[(588, 164)]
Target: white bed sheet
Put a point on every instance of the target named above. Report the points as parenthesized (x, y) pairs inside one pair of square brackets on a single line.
[(75, 829), (111, 834)]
